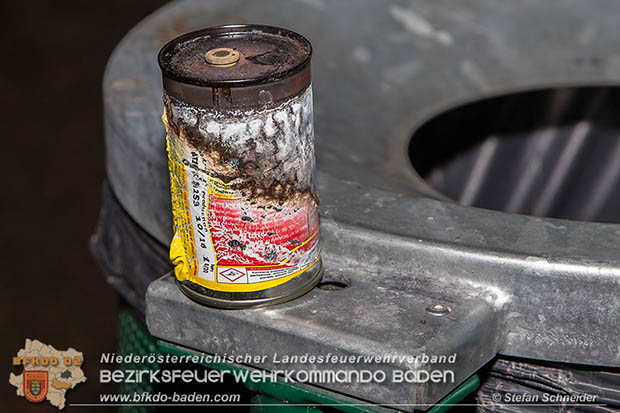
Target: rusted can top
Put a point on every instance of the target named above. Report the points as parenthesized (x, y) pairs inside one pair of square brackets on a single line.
[(236, 66)]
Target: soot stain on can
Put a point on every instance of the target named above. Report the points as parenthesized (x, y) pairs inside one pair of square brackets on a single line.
[(237, 245), (272, 255), (267, 153)]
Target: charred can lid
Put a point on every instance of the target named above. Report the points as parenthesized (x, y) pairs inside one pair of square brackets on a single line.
[(235, 66)]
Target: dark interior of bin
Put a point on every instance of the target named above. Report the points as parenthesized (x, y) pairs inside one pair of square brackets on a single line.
[(553, 153)]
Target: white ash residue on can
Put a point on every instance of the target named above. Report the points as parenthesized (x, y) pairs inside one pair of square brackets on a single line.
[(266, 153)]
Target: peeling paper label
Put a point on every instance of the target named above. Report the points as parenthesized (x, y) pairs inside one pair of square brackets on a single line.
[(226, 242)]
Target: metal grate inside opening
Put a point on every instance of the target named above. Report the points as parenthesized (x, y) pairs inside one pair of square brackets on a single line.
[(552, 152)]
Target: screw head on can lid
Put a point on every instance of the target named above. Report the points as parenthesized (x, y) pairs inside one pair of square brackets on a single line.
[(438, 310), (222, 56)]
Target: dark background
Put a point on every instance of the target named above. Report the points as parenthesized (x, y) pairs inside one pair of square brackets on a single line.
[(53, 57)]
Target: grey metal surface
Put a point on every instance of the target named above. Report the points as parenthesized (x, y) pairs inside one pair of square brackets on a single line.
[(360, 321), (518, 285), (379, 70)]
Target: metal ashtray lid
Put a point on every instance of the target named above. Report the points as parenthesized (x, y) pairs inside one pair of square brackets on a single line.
[(243, 60)]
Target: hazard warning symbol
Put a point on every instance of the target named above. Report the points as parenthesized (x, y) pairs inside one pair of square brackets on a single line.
[(232, 275)]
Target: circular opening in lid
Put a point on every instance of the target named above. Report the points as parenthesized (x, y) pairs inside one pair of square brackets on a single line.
[(552, 153)]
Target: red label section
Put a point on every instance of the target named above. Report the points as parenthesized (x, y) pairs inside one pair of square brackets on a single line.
[(245, 234)]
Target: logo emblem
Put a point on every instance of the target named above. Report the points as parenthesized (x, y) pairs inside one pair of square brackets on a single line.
[(35, 385)]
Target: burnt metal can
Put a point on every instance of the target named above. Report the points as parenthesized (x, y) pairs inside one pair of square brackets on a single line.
[(240, 140)]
